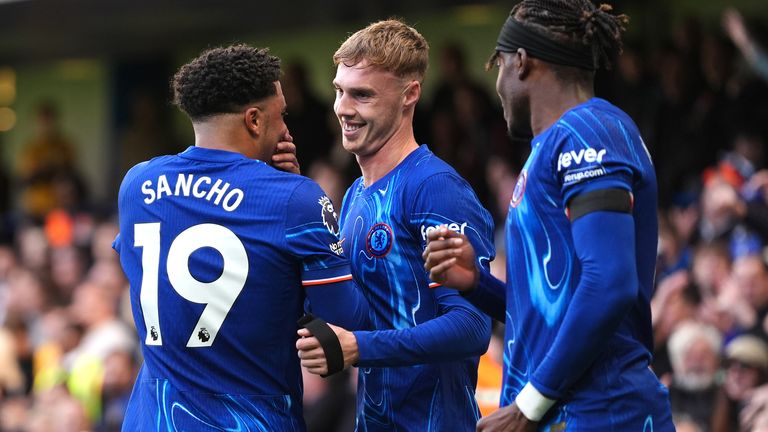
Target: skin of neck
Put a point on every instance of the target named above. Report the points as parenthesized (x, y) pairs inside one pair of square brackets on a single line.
[(550, 97), (397, 147), (225, 132)]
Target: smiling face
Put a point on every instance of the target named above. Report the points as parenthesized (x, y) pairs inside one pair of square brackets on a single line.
[(370, 106)]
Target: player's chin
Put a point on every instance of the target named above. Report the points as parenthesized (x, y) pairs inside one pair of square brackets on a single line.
[(352, 147)]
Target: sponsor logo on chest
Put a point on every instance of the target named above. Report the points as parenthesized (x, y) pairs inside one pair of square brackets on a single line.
[(590, 155), (459, 228)]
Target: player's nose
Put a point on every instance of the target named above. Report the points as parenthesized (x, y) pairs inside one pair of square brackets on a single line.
[(342, 107)]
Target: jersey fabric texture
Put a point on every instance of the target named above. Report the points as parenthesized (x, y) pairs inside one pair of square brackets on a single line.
[(418, 370), (221, 252), (599, 375)]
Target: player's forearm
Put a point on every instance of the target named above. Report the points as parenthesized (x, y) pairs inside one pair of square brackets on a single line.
[(458, 334), (489, 295), (607, 289)]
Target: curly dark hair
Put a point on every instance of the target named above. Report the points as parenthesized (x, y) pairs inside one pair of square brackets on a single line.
[(224, 80)]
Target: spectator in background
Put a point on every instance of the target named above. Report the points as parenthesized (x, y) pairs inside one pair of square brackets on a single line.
[(119, 372), (746, 369), (47, 165), (710, 269), (674, 253), (14, 414), (733, 23), (68, 265), (95, 308), (59, 335), (694, 350), (56, 410), (12, 380), (750, 277), (676, 301)]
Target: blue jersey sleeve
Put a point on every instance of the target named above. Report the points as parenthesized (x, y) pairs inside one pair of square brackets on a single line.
[(604, 243), (602, 299), (459, 330), (490, 295), (582, 166), (311, 234), (446, 199)]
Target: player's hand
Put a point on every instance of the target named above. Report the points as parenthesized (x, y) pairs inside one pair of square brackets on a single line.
[(284, 157), (312, 355), (506, 419), (450, 259)]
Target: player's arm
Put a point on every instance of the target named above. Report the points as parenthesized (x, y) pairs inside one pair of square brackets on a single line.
[(604, 295), (460, 329), (450, 260), (311, 235), (603, 232), (339, 302)]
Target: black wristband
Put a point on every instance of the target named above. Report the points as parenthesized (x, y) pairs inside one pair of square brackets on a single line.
[(334, 356)]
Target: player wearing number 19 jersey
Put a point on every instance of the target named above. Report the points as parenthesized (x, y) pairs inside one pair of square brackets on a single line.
[(222, 251)]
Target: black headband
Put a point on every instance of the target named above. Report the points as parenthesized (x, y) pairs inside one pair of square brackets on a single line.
[(515, 35)]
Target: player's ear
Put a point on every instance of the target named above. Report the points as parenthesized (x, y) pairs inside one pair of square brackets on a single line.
[(253, 118), (522, 63), (412, 93)]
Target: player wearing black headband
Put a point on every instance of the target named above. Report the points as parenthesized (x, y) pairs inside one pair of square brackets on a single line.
[(581, 236)]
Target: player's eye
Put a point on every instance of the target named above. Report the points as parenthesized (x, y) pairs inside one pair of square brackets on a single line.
[(284, 114)]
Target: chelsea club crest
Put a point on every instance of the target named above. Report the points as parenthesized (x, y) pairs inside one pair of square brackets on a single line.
[(517, 194), (379, 240)]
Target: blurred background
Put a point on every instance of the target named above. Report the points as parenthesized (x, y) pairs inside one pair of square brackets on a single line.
[(84, 96)]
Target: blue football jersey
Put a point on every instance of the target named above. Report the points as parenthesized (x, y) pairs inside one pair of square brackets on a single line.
[(592, 146), (221, 252), (415, 378)]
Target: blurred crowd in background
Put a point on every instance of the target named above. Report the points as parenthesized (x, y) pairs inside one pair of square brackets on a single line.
[(69, 354)]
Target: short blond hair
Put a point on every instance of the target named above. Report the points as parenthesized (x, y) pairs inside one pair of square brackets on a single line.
[(390, 45)]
